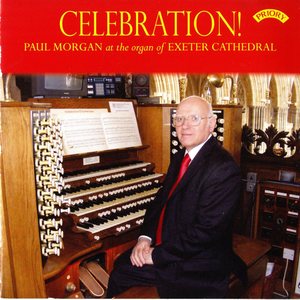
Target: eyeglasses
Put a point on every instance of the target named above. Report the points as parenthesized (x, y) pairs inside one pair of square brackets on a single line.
[(193, 120)]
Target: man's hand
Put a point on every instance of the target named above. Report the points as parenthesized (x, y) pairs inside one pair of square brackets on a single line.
[(141, 253), (148, 257)]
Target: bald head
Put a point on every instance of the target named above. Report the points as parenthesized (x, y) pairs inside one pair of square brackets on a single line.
[(198, 101)]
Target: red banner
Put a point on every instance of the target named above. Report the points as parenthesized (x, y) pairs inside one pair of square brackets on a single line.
[(118, 36)]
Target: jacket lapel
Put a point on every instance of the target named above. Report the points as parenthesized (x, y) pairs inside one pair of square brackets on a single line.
[(197, 163), (173, 173)]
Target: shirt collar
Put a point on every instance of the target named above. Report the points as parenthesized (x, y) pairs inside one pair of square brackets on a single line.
[(193, 152)]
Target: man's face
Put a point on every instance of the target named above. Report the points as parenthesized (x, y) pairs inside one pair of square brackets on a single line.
[(189, 135)]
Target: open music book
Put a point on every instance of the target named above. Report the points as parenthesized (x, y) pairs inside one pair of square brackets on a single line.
[(89, 130)]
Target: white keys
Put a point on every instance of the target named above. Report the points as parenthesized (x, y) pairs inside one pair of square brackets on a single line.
[(105, 172), (118, 221), (119, 201), (111, 186)]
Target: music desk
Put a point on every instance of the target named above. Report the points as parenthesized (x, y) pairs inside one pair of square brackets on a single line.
[(254, 254)]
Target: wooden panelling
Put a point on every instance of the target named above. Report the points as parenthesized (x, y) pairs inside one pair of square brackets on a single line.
[(79, 102), (232, 129), (151, 125), (23, 263)]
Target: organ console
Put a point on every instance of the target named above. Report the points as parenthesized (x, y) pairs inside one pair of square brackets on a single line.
[(78, 215), (110, 201), (65, 220)]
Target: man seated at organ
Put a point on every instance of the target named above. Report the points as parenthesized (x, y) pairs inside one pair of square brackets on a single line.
[(185, 244)]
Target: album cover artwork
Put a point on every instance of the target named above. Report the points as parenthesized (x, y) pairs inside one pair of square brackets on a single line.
[(96, 61), (149, 36)]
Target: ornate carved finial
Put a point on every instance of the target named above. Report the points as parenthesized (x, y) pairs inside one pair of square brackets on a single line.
[(271, 143)]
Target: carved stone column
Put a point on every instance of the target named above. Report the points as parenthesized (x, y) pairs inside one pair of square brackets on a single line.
[(182, 86)]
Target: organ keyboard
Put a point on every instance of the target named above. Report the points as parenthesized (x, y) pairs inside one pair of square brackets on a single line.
[(111, 201)]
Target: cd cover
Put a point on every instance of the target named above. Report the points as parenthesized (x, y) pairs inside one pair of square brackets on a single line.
[(150, 36)]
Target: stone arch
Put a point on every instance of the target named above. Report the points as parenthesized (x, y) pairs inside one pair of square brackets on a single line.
[(166, 86), (266, 99)]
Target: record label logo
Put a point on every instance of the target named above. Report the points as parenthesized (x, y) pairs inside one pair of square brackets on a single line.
[(270, 14)]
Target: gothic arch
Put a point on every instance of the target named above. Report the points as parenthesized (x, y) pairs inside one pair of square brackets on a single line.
[(266, 99)]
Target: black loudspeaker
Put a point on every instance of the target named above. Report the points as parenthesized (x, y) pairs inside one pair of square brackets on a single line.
[(140, 85)]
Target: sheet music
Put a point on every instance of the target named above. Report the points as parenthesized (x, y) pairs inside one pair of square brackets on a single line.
[(92, 130), (118, 106), (120, 130), (82, 130)]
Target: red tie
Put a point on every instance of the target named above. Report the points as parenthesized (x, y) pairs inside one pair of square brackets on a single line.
[(184, 165)]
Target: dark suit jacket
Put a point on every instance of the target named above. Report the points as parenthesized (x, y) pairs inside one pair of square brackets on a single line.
[(197, 228)]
